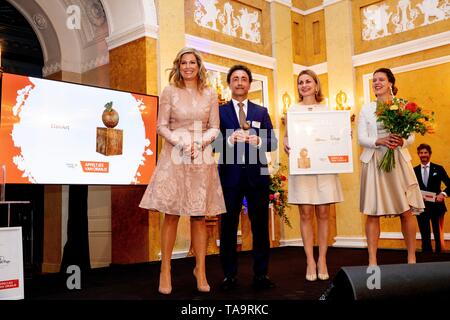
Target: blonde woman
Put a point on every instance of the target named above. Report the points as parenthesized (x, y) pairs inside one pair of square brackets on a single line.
[(186, 180), (313, 193)]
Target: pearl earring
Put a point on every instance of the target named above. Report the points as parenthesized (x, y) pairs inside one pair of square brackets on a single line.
[(392, 92)]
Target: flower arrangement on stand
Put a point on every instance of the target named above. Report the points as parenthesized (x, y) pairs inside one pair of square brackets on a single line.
[(278, 194), (402, 117)]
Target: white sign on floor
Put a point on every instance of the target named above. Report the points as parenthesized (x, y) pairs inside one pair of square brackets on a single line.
[(11, 264)]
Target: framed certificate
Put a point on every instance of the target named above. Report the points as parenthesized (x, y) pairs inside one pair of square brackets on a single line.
[(11, 264), (428, 196), (320, 142)]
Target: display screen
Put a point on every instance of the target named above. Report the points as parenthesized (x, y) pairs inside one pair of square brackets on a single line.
[(54, 132)]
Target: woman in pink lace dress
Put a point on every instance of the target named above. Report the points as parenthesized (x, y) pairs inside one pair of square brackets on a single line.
[(186, 180)]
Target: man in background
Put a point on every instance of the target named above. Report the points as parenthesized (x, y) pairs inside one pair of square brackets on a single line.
[(430, 177)]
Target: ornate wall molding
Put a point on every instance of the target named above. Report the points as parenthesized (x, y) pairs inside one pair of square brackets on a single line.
[(95, 63), (227, 51), (283, 2), (306, 12), (133, 33), (327, 3), (399, 236), (52, 68), (404, 48), (40, 21), (95, 13), (291, 242), (350, 242)]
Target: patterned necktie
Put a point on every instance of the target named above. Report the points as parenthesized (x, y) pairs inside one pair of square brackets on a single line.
[(242, 118), (425, 175)]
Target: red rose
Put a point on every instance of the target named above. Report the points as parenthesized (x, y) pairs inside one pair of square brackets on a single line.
[(283, 178), (271, 197), (411, 106)]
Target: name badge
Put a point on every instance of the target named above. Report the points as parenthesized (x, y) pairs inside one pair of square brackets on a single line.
[(256, 124)]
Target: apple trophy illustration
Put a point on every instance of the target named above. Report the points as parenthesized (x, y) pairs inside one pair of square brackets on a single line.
[(109, 140)]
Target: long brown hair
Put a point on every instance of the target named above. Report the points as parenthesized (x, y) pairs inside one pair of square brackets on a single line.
[(175, 77), (312, 74), (390, 77)]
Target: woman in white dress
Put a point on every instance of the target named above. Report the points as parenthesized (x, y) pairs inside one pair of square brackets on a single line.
[(313, 193), (394, 193)]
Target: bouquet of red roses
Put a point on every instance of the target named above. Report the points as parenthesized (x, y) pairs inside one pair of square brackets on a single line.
[(402, 118), (278, 194)]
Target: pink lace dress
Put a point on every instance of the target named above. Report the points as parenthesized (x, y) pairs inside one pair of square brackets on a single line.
[(180, 185)]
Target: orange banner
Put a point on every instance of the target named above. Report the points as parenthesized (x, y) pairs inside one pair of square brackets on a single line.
[(95, 167), (338, 159)]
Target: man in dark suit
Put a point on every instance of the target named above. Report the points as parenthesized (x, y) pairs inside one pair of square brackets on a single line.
[(247, 134), (430, 177)]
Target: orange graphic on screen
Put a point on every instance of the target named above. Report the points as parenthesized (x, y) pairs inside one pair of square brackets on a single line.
[(10, 86), (149, 116)]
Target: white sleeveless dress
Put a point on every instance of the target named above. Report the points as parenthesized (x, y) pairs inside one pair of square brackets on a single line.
[(313, 188)]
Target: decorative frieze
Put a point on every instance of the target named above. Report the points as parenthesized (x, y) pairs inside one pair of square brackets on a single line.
[(390, 17), (230, 18)]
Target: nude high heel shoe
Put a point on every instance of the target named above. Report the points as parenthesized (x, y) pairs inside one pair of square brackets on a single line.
[(311, 276), (204, 288), (164, 290), (323, 276)]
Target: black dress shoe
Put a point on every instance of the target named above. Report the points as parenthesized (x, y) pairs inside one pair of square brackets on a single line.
[(262, 282), (229, 283)]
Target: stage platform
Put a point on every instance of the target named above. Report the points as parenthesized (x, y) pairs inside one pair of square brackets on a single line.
[(140, 281)]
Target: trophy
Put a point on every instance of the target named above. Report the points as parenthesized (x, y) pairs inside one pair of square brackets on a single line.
[(109, 140), (304, 162)]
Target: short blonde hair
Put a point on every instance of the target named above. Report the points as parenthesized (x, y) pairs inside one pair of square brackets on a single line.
[(312, 74), (175, 77)]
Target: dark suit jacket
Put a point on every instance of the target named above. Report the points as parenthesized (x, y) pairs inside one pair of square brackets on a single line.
[(230, 164), (437, 175)]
